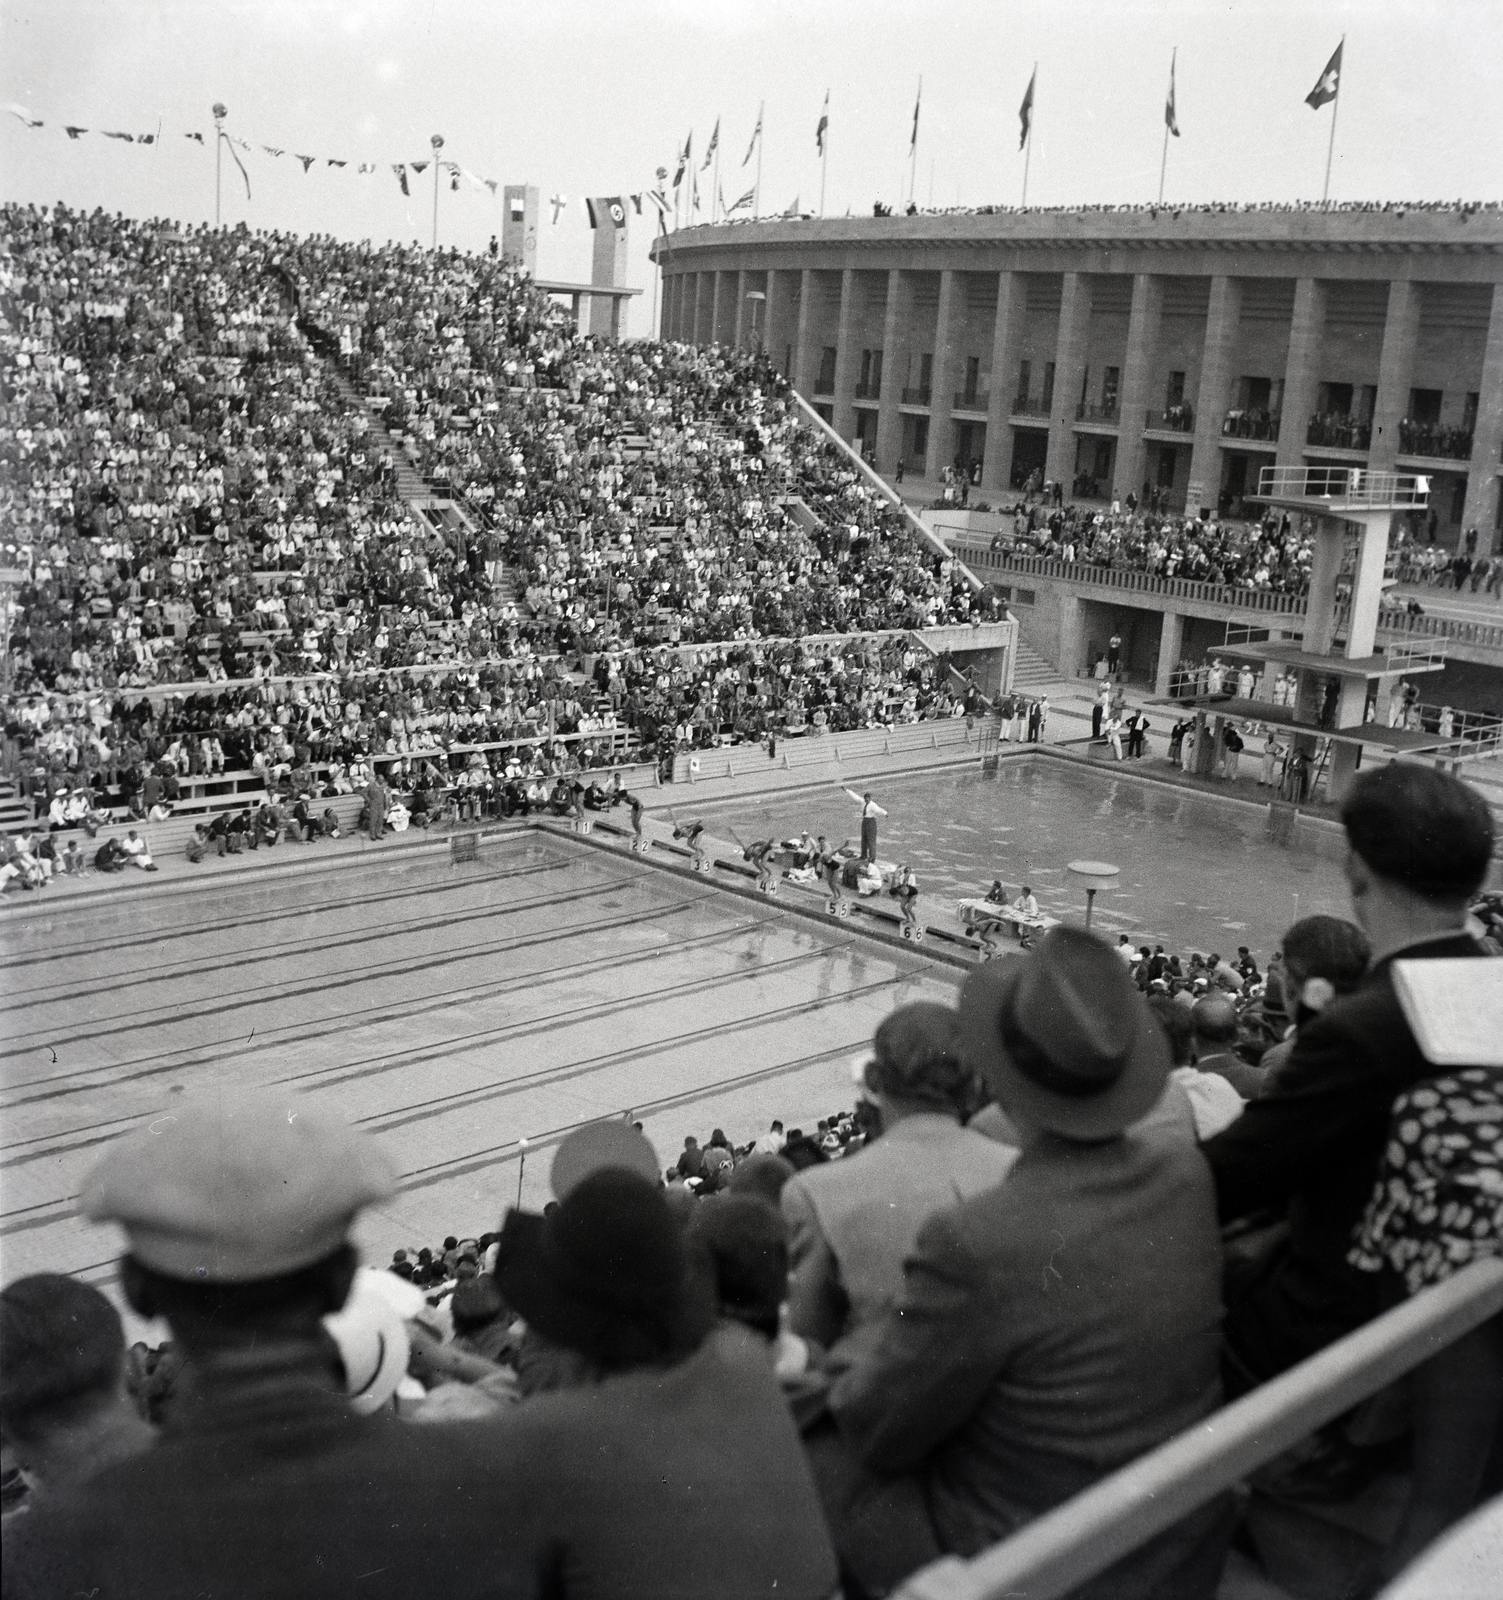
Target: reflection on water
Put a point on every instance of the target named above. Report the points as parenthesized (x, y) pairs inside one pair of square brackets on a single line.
[(1195, 873)]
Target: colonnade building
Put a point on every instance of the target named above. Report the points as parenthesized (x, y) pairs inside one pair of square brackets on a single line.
[(1115, 351)]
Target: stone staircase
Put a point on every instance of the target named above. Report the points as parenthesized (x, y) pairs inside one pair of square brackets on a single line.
[(15, 812), (1030, 670)]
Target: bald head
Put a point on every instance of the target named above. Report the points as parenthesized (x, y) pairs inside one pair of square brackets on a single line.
[(1215, 1019)]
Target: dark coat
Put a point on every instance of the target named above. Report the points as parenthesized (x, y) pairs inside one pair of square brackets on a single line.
[(269, 1487), (1311, 1144)]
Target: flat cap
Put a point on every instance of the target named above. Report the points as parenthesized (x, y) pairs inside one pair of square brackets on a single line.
[(236, 1187)]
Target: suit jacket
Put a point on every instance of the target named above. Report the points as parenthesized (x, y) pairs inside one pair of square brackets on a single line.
[(1311, 1144), (1049, 1330), (851, 1223)]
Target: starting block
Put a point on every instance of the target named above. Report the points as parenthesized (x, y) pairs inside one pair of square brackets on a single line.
[(640, 846), (582, 825)]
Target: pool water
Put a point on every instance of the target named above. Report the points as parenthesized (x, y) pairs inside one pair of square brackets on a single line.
[(1196, 873)]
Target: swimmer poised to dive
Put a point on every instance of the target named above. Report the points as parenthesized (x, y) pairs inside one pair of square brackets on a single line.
[(690, 836), (757, 853), (905, 892), (636, 815)]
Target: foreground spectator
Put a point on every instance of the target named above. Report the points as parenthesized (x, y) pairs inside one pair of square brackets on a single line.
[(64, 1411), (267, 1482), (853, 1222), (1065, 1321), (1419, 846), (674, 1468)]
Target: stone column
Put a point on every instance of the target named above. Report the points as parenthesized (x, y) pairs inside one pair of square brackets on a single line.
[(1171, 648), (847, 357), (717, 278), (1483, 486), (1325, 567), (1395, 372), (805, 356), (1069, 357), (771, 326), (1142, 342), (942, 377), (1214, 395), (739, 320), (1301, 370), (1007, 332), (697, 302), (1071, 656), (894, 373)]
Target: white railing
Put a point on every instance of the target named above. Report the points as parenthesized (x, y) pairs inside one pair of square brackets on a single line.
[(1348, 486), (1082, 1538)]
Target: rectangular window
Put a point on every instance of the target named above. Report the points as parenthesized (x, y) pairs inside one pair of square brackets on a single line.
[(1085, 383), (1048, 394), (1424, 405), (1458, 499), (1111, 381), (920, 438), (1174, 393), (973, 376), (1103, 463), (1025, 375), (926, 369), (1469, 413), (1253, 394), (1334, 399), (1167, 454), (825, 383), (864, 382)]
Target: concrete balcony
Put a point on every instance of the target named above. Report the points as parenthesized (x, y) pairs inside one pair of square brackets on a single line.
[(916, 396), (1429, 442), (867, 391), (1031, 407), (979, 402), (1339, 433), (1250, 428), (1177, 419), (1103, 418)]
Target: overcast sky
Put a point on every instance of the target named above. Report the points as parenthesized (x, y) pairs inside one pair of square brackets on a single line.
[(590, 97)]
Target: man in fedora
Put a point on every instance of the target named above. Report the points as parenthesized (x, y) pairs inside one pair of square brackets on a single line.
[(671, 1465), (1055, 1327), (268, 1483)]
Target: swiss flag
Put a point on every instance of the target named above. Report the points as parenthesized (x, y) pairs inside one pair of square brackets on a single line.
[(1329, 83)]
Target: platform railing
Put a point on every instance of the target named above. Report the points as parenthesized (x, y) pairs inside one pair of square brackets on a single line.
[(1352, 486), (1082, 1538)]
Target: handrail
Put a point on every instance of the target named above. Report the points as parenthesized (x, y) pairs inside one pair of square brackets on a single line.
[(1082, 1538), (888, 493)]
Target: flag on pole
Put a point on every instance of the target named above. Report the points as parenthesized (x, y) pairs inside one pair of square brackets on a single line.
[(1329, 83), (683, 159), (1025, 111), (401, 172), (913, 137), (743, 202), (558, 202), (73, 131), (1171, 121), (23, 115), (756, 136), (711, 148), (824, 123), (792, 210)]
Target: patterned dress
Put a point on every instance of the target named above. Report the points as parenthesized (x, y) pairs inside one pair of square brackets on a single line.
[(1438, 1203)]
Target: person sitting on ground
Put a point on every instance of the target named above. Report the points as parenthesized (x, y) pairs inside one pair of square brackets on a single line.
[(109, 857), (676, 1469), (237, 1211), (64, 1410), (134, 848), (1419, 844), (197, 844), (1061, 1323), (851, 1223), (73, 858)]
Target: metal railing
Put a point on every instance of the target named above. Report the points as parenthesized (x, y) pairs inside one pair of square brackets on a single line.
[(1250, 425), (978, 400), (867, 391), (1265, 600), (1480, 733), (917, 395), (1082, 1538), (1415, 657), (1025, 405), (1106, 412), (1177, 419), (1347, 486), (1338, 432), (1432, 440)]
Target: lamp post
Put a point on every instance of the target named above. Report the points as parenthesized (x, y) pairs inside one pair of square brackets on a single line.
[(437, 141), (1095, 875), (220, 114)]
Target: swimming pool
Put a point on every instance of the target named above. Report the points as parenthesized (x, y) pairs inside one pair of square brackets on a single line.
[(1197, 873)]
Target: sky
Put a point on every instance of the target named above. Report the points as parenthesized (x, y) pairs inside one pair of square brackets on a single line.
[(591, 97)]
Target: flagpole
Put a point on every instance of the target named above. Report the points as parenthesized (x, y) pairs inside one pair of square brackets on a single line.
[(715, 198), (1164, 160), (757, 197), (1033, 111), (219, 116), (1325, 193), (437, 143), (913, 143), (824, 164)]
